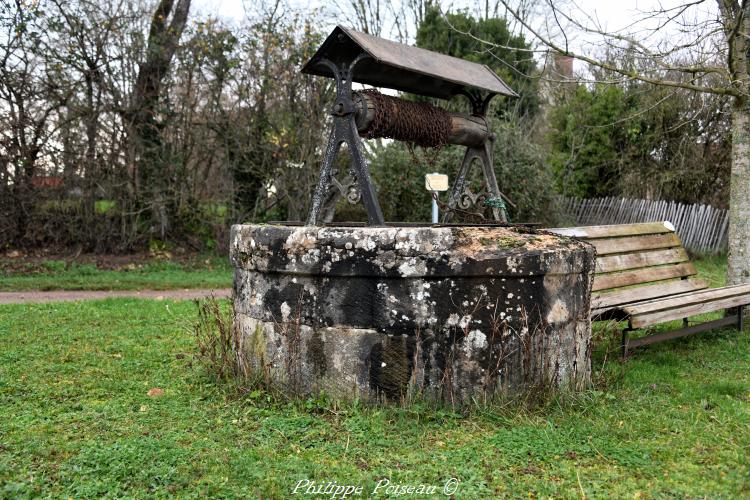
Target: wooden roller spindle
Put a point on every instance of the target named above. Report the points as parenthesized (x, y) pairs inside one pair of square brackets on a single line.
[(466, 130)]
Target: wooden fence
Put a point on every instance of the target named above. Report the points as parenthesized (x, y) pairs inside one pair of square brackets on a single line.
[(702, 228)]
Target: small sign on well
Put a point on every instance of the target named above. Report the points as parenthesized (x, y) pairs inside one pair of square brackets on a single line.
[(436, 182)]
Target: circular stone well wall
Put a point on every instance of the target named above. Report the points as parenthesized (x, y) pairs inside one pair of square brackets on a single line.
[(387, 312)]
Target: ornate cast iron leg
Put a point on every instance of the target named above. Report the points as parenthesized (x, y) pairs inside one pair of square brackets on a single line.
[(362, 172), (324, 181), (345, 130), (458, 185), (489, 176), (484, 155), (479, 107)]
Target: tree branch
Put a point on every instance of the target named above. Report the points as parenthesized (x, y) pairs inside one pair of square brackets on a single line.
[(631, 74)]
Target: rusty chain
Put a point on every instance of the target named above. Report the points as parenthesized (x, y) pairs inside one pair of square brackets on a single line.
[(415, 123)]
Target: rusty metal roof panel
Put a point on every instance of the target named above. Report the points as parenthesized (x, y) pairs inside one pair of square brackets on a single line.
[(403, 67)]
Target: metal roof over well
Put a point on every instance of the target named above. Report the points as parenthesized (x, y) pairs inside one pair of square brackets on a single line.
[(403, 67)]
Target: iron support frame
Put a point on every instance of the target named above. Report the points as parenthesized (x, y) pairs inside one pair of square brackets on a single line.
[(483, 153), (345, 131), (628, 343), (624, 343), (740, 319)]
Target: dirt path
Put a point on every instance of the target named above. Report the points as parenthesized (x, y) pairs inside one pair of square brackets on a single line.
[(55, 296)]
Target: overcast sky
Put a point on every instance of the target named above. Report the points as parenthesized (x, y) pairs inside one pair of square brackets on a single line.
[(614, 14), (622, 16)]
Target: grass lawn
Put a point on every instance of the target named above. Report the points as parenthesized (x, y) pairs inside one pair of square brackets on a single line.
[(76, 420), (199, 272)]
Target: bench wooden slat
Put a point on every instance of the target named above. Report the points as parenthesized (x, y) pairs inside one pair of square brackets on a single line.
[(698, 297), (608, 300), (623, 262), (643, 275), (670, 296), (603, 309), (606, 246), (653, 318), (597, 311), (622, 307), (614, 230)]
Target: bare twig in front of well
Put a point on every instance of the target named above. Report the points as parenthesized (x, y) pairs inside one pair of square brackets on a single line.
[(217, 347)]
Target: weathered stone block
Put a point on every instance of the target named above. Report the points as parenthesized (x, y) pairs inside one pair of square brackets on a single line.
[(449, 312)]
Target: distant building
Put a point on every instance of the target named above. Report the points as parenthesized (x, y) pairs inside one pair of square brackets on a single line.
[(557, 80), (47, 181)]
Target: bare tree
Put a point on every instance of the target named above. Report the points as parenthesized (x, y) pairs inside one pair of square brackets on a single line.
[(718, 45), (397, 19), (26, 108)]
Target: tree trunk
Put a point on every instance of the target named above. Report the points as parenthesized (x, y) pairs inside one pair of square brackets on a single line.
[(738, 270), (146, 128)]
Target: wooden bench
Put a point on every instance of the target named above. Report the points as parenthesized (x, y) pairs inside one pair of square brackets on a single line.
[(644, 276)]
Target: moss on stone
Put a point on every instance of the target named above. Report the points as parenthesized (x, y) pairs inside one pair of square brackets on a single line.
[(257, 345), (510, 242)]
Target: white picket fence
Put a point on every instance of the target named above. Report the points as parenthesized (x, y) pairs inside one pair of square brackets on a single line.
[(702, 228)]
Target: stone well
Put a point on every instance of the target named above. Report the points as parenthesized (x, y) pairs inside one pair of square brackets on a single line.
[(448, 312)]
